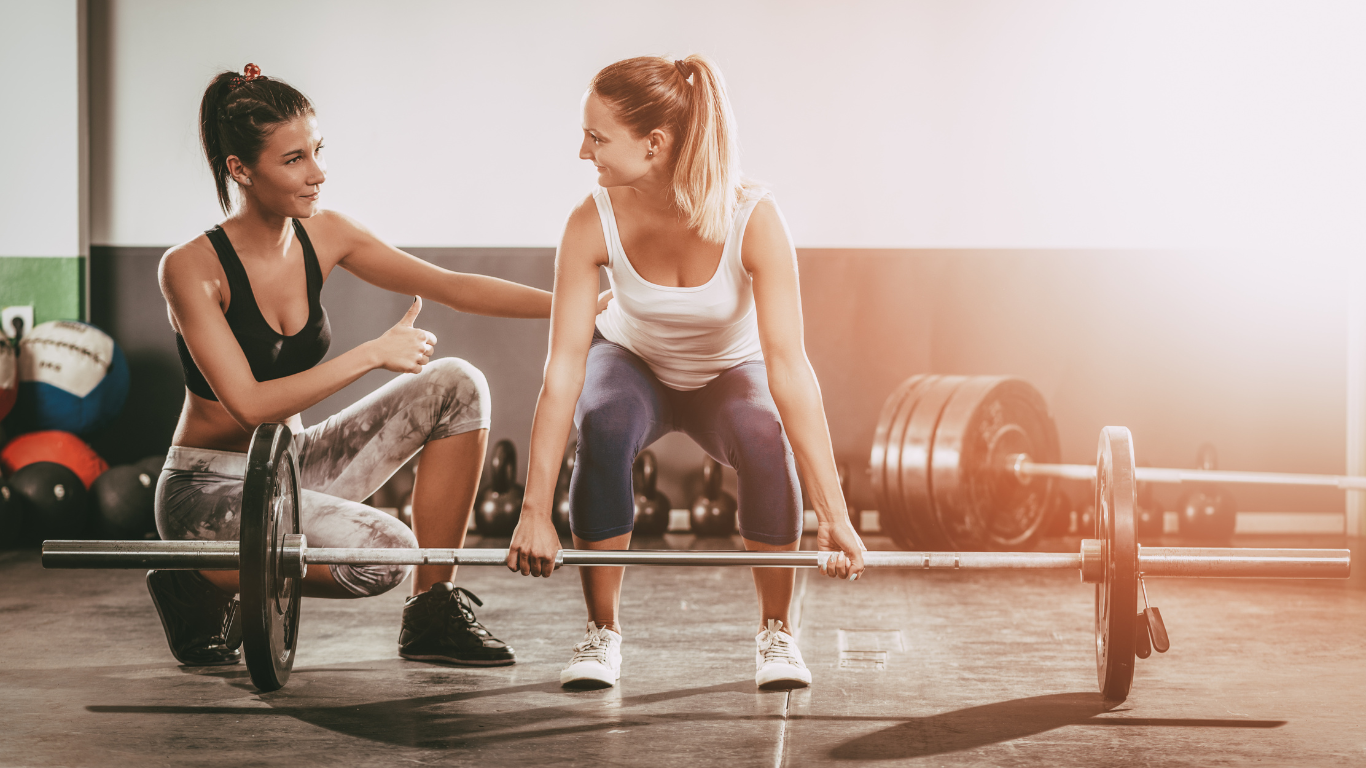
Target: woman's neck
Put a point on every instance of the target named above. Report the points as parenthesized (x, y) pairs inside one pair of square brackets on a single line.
[(259, 231)]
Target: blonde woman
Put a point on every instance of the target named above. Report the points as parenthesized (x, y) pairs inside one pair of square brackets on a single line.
[(703, 335)]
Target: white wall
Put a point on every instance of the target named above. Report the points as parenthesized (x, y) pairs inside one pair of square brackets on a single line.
[(938, 123), (41, 111)]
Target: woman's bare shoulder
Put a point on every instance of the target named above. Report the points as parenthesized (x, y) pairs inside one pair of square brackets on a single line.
[(583, 233), (191, 258)]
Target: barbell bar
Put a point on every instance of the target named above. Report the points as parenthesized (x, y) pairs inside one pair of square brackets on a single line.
[(297, 556), (1023, 468)]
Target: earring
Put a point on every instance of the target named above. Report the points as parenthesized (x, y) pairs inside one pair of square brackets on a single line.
[(246, 182), (651, 153)]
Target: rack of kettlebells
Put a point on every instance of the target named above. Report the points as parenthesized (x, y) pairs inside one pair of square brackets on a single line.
[(62, 385)]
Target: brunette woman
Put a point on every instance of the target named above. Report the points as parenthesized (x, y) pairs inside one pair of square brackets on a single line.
[(244, 300)]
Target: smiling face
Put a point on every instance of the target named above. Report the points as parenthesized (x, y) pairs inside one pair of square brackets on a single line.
[(621, 158), (288, 175)]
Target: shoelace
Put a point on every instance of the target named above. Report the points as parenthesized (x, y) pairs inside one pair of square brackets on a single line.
[(593, 648), (776, 647), (462, 598)]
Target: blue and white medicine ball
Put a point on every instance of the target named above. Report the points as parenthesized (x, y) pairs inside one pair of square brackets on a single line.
[(72, 377)]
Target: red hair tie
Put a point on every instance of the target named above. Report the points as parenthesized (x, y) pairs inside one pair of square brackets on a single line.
[(249, 72)]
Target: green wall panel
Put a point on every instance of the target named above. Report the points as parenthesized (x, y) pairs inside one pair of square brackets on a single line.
[(54, 286)]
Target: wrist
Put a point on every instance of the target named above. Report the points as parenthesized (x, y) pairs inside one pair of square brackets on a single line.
[(369, 356)]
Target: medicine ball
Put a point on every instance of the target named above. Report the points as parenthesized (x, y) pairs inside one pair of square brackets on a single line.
[(72, 377), (498, 506), (125, 500), (152, 465), (9, 376), (11, 517), (55, 500), (60, 447)]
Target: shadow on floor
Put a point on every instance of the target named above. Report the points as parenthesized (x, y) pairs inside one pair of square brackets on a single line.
[(438, 722), (999, 722)]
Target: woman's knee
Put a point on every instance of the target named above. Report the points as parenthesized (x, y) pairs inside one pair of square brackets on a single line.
[(375, 579), (756, 435), (464, 393), (611, 428), (369, 580)]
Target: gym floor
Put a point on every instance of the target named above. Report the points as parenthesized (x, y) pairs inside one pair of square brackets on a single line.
[(986, 668)]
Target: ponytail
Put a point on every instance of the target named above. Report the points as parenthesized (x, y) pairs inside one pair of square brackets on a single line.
[(236, 117), (688, 97)]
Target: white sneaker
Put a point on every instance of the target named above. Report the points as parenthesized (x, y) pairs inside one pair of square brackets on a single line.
[(596, 662), (778, 660)]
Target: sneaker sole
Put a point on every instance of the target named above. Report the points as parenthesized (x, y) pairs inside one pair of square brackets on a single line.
[(458, 662), (782, 677), (783, 685), (586, 684)]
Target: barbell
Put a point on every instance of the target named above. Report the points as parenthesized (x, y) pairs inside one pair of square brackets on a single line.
[(969, 462), (273, 555)]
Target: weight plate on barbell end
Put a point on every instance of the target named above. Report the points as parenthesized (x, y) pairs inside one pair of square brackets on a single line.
[(978, 502), (917, 453), (1117, 593), (891, 512), (877, 459), (270, 599)]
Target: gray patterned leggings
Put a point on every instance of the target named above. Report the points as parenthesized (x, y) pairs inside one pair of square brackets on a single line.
[(342, 461)]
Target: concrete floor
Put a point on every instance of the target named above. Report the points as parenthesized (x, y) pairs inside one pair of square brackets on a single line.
[(978, 669)]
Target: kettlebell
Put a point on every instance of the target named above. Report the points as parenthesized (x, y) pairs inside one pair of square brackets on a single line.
[(1147, 515), (499, 505), (713, 513), (1208, 513), (559, 514), (651, 506)]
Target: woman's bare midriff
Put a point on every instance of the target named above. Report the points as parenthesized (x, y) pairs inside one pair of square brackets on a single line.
[(207, 424)]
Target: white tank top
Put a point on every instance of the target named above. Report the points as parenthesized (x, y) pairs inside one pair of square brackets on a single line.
[(688, 336)]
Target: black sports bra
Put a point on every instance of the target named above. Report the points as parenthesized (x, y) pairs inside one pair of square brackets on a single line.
[(272, 355)]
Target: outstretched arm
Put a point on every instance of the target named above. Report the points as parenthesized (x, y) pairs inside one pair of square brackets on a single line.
[(772, 262), (581, 252), (378, 263)]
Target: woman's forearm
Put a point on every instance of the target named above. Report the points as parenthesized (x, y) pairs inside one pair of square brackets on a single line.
[(798, 397), (549, 432), (280, 399), (491, 296)]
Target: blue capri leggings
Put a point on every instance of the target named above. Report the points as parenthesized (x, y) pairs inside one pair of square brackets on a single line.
[(624, 408)]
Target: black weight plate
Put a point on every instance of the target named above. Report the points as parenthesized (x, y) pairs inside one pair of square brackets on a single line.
[(877, 459), (887, 444), (917, 454), (270, 601), (1117, 594), (977, 502)]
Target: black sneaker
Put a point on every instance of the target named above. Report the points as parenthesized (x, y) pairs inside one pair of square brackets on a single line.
[(439, 625), (201, 621)]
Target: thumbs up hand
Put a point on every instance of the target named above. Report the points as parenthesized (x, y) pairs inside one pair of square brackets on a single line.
[(405, 348)]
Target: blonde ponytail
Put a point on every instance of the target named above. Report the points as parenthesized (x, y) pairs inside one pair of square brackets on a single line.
[(706, 176), (688, 97)]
